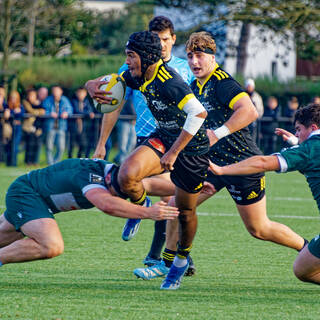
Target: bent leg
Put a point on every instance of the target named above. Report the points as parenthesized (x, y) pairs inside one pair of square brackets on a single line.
[(8, 233), (43, 241), (261, 227), (307, 266), (143, 162)]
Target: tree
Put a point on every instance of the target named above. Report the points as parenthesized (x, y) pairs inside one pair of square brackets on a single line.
[(300, 17)]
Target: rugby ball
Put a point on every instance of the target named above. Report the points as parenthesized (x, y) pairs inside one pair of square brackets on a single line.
[(117, 86)]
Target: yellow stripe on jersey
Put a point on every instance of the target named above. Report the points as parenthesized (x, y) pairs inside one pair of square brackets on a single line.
[(162, 80), (166, 72), (144, 86), (201, 86), (183, 102), (222, 74), (217, 75), (236, 98), (163, 74)]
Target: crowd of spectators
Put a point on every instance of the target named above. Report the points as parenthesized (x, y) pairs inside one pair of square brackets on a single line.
[(50, 120)]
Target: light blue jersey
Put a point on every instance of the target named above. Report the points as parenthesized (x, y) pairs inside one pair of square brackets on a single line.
[(145, 123)]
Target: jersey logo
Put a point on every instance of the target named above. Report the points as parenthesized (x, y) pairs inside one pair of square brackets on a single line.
[(94, 178), (157, 144), (252, 195)]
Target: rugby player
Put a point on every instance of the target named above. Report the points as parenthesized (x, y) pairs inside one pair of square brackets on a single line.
[(304, 158), (28, 230), (179, 144)]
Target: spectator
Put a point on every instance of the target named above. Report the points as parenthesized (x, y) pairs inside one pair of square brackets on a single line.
[(289, 112), (126, 133), (3, 125), (269, 139), (81, 126), (32, 127), (14, 113), (258, 103), (316, 100), (58, 107), (42, 94)]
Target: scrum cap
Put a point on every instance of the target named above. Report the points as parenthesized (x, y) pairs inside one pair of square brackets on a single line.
[(147, 45)]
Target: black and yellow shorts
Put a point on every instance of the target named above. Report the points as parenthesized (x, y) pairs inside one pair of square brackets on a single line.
[(190, 171), (24, 204), (244, 190)]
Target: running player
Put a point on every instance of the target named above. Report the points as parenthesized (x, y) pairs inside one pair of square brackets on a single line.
[(304, 158), (179, 144), (28, 230)]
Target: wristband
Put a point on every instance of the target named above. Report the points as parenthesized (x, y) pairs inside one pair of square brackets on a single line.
[(293, 140), (221, 132)]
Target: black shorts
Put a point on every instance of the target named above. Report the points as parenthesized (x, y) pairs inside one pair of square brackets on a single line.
[(244, 190), (189, 172)]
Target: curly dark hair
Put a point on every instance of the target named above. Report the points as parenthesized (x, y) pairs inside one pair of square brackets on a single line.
[(308, 115)]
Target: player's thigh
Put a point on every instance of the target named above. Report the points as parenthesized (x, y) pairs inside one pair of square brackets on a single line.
[(8, 233), (254, 215), (44, 231), (308, 260), (142, 162)]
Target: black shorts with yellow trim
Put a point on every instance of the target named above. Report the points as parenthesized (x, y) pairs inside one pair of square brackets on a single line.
[(244, 190), (190, 171)]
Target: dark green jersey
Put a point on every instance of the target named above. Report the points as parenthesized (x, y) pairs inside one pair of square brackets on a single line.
[(306, 159), (218, 94), (64, 184), (166, 94)]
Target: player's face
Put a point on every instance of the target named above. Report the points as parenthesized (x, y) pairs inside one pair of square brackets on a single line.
[(134, 63), (167, 42), (201, 64), (302, 133)]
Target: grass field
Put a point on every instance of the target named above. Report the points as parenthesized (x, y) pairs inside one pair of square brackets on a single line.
[(238, 277)]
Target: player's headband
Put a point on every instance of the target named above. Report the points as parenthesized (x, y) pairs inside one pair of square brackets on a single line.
[(205, 50)]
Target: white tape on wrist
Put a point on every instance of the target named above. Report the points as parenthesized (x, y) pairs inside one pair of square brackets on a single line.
[(221, 132), (293, 140)]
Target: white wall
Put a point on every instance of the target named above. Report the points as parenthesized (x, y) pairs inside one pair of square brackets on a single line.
[(104, 5)]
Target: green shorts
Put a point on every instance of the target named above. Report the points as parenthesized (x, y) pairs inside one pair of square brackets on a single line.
[(24, 204), (314, 246)]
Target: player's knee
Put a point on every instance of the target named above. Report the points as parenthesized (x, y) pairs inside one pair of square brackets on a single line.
[(127, 176), (53, 249), (256, 233), (186, 216)]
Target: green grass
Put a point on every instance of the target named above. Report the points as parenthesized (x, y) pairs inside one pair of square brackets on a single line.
[(238, 277)]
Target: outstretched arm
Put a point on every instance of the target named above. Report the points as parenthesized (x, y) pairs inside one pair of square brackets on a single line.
[(114, 206), (251, 165)]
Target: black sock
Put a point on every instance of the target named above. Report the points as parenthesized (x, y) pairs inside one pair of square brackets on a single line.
[(183, 252), (168, 256), (142, 199), (159, 238)]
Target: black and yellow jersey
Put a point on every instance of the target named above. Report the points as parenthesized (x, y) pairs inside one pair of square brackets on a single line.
[(218, 94), (166, 95)]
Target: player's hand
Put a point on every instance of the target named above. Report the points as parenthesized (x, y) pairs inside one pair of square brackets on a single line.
[(212, 137), (283, 133), (101, 96), (99, 153), (167, 161), (208, 188), (161, 211), (215, 169)]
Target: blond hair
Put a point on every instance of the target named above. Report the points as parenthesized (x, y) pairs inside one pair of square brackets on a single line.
[(201, 40)]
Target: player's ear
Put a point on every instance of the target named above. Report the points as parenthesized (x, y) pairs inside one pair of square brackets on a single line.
[(174, 38)]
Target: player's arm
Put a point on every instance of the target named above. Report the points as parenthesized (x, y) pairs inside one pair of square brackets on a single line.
[(248, 166), (196, 115), (114, 206), (108, 122)]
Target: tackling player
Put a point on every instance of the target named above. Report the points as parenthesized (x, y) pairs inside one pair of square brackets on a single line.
[(304, 158), (28, 230)]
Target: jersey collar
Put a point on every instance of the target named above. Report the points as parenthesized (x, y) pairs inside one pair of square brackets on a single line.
[(146, 83), (314, 133), (201, 86)]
